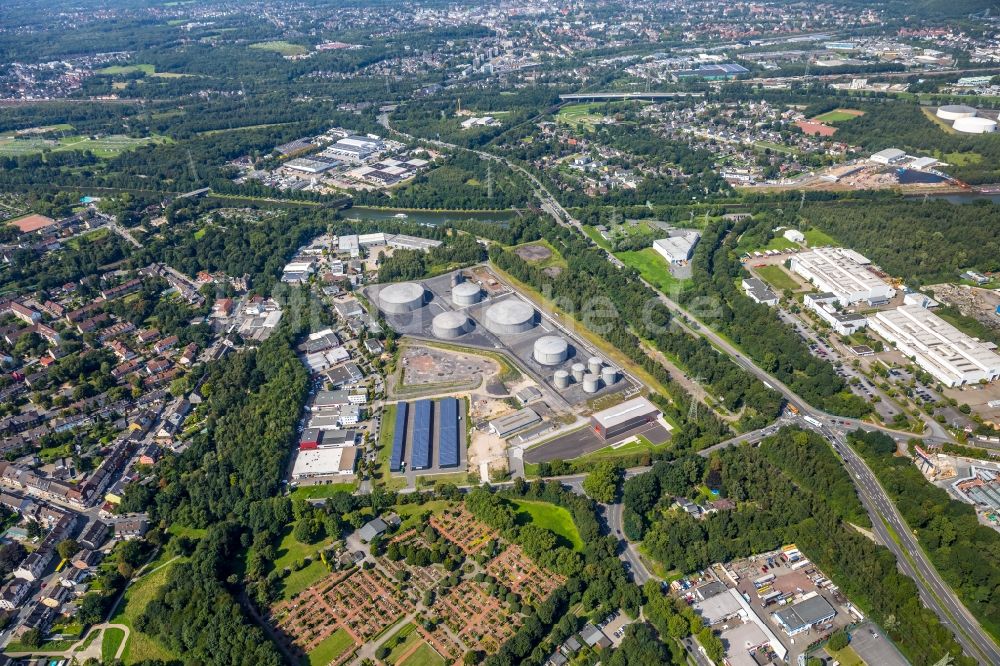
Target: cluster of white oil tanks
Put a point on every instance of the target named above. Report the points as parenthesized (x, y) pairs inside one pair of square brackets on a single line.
[(591, 376)]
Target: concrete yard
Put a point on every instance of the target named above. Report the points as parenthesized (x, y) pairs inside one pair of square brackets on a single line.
[(874, 650), (519, 346), (584, 441)]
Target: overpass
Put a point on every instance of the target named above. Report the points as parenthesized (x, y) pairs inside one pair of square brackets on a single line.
[(598, 96)]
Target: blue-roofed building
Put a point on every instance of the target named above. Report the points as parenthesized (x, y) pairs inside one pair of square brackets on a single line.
[(715, 72), (423, 415), (448, 433), (398, 438)]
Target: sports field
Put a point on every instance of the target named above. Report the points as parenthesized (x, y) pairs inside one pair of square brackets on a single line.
[(147, 69), (838, 116), (104, 147), (281, 47)]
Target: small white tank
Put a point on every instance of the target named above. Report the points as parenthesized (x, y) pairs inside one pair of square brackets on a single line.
[(561, 379), (594, 365), (591, 383)]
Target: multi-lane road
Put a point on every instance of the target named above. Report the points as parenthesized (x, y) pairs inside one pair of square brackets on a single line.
[(935, 593)]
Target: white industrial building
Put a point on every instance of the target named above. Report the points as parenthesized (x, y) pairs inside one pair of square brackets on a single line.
[(844, 273), (318, 463), (942, 350), (888, 156), (794, 235), (677, 248), (843, 323)]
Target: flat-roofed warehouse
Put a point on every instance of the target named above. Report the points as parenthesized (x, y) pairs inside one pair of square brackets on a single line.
[(624, 417), (321, 463), (844, 273), (951, 356), (508, 425), (804, 615)]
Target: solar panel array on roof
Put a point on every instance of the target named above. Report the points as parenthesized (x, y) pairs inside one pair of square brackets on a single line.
[(420, 456), (398, 438), (448, 433)]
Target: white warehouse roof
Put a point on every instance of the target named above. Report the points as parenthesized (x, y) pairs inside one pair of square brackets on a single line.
[(843, 273), (953, 357)]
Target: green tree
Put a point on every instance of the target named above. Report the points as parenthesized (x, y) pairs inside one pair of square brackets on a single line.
[(602, 483)]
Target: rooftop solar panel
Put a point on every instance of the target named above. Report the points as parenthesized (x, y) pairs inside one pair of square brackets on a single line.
[(420, 456), (448, 433)]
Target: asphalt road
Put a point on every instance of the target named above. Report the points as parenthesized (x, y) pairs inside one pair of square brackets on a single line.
[(934, 592)]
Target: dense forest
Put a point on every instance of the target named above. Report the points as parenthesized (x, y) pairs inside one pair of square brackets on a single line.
[(791, 489), (931, 241)]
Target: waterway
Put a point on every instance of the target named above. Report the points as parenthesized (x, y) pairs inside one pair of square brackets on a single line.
[(432, 218), (963, 198)]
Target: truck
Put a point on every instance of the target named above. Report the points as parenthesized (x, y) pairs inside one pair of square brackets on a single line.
[(812, 421)]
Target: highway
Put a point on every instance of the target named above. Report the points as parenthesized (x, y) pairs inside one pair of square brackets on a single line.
[(935, 593)]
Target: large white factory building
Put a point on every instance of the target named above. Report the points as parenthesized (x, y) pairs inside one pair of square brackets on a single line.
[(844, 273), (947, 353)]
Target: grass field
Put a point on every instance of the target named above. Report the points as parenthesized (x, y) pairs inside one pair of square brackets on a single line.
[(281, 47), (579, 114), (104, 147), (838, 116), (190, 532), (777, 277), (654, 269), (424, 655), (816, 238), (385, 450), (110, 641), (322, 492), (149, 70), (551, 517), (330, 648), (846, 657), (596, 236), (141, 647), (401, 642), (959, 159)]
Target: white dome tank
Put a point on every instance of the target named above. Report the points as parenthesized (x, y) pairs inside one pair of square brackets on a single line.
[(466, 293), (510, 317), (975, 125), (450, 325), (401, 298), (551, 350)]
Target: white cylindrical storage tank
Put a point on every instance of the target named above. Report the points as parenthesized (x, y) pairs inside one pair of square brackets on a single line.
[(975, 125), (579, 370), (551, 350), (609, 375), (401, 298), (450, 325), (510, 317), (591, 383), (594, 365), (956, 111), (561, 379), (466, 293)]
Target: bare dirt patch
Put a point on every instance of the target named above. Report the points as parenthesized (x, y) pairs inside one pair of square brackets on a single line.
[(533, 252)]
